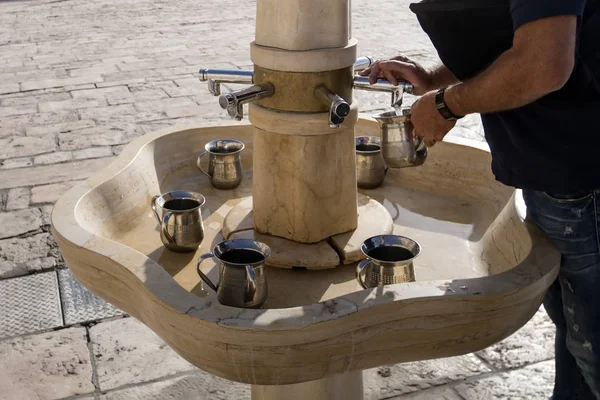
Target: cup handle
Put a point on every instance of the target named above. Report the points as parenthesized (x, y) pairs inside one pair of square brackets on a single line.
[(200, 164), (165, 228), (421, 144), (205, 278), (359, 272), (153, 205), (420, 141)]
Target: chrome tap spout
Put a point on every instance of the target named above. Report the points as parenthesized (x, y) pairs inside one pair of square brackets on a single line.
[(338, 107), (385, 86), (234, 102), (215, 77)]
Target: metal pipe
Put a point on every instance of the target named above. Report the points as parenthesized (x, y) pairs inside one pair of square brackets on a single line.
[(234, 102), (382, 85), (363, 63), (226, 75), (245, 76)]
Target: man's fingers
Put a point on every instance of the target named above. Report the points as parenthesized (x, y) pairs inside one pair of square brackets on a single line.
[(374, 74), (365, 72), (430, 142), (389, 75), (403, 70)]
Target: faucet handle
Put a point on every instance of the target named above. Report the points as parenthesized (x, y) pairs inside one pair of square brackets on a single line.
[(338, 107)]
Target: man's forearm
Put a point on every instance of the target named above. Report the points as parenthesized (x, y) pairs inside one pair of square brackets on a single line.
[(518, 77), (440, 77)]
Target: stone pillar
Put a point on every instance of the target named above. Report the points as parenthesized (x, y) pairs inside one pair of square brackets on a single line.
[(304, 179)]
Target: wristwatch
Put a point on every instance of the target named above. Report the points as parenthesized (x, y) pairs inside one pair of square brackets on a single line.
[(443, 108)]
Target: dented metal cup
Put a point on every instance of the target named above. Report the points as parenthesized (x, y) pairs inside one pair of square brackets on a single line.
[(400, 146), (179, 214), (224, 163), (370, 166)]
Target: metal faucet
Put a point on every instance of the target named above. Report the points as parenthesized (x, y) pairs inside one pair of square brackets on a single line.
[(339, 108), (215, 77), (383, 85), (234, 102)]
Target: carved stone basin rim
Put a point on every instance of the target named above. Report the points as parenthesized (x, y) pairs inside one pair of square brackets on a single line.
[(358, 330)]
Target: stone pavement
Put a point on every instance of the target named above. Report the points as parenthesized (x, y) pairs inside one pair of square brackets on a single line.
[(78, 81)]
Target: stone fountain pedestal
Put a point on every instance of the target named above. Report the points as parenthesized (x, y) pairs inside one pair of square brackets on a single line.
[(482, 273)]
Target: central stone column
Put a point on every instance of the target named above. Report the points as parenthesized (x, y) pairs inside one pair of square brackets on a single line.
[(304, 179)]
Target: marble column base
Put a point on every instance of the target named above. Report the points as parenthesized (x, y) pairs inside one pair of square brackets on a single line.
[(373, 219)]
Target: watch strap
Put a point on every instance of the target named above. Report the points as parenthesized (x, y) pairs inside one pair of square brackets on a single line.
[(443, 108)]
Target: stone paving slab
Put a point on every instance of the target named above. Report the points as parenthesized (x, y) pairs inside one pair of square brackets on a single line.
[(196, 386), (16, 223), (531, 344), (128, 352), (23, 255), (444, 393), (45, 366), (532, 382), (393, 380), (29, 304), (79, 305)]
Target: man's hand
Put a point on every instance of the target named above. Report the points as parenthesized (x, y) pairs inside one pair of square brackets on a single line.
[(403, 68), (428, 122), (400, 68)]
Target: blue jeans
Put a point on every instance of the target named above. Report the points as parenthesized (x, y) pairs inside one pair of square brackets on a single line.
[(572, 223)]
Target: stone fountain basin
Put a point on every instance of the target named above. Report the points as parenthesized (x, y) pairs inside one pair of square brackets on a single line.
[(482, 273)]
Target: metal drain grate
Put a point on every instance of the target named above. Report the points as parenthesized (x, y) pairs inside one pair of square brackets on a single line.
[(79, 304), (29, 304)]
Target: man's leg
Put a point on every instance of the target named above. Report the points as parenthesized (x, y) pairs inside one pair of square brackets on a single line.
[(568, 383), (573, 302)]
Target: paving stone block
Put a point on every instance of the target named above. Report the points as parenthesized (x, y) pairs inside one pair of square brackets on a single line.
[(399, 379), (106, 114), (9, 88), (443, 393), (95, 70), (19, 256), (92, 152), (86, 138), (51, 173), (128, 352), (29, 304), (50, 193), (21, 146), (17, 110), (30, 99), (46, 366), (531, 344), (47, 214), (71, 104), (79, 304), (18, 199), (59, 82), (200, 385), (18, 222), (59, 128), (53, 158), (532, 382), (15, 163), (100, 93)]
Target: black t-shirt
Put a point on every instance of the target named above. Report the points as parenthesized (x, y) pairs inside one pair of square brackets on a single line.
[(553, 144)]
